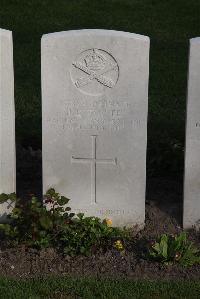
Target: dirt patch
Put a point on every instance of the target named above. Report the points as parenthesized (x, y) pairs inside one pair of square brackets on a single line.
[(23, 263), (163, 214)]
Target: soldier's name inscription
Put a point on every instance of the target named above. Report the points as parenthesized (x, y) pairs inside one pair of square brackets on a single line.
[(101, 114)]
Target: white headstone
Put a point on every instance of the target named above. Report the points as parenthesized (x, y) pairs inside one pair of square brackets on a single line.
[(192, 154), (94, 106), (7, 119)]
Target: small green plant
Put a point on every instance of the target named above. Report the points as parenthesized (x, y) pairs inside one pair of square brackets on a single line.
[(174, 249), (33, 223), (85, 234)]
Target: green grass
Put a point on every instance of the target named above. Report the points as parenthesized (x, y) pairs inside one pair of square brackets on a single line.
[(169, 24), (93, 289)]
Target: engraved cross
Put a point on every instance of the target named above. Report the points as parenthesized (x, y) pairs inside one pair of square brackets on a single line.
[(93, 161)]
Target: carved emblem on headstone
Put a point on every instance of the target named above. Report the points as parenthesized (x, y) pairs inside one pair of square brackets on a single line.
[(94, 70)]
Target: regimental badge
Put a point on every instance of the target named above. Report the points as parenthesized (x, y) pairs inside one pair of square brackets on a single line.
[(94, 71)]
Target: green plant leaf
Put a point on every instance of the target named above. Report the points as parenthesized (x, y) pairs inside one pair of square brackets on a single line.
[(46, 222), (67, 209), (34, 200), (71, 215), (50, 192), (63, 200), (164, 245), (80, 215), (12, 196), (3, 197)]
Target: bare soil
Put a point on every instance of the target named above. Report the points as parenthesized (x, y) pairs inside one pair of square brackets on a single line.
[(163, 215)]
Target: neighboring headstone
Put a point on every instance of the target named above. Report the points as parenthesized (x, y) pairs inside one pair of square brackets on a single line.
[(94, 102), (192, 154), (7, 119)]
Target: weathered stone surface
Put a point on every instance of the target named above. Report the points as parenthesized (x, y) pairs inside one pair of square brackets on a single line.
[(192, 154), (7, 119), (94, 108)]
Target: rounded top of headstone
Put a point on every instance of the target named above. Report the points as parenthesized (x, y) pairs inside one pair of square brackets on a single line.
[(195, 40), (4, 32), (96, 32)]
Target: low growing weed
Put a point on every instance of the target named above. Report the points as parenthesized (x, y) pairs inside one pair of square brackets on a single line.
[(52, 224), (174, 249)]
